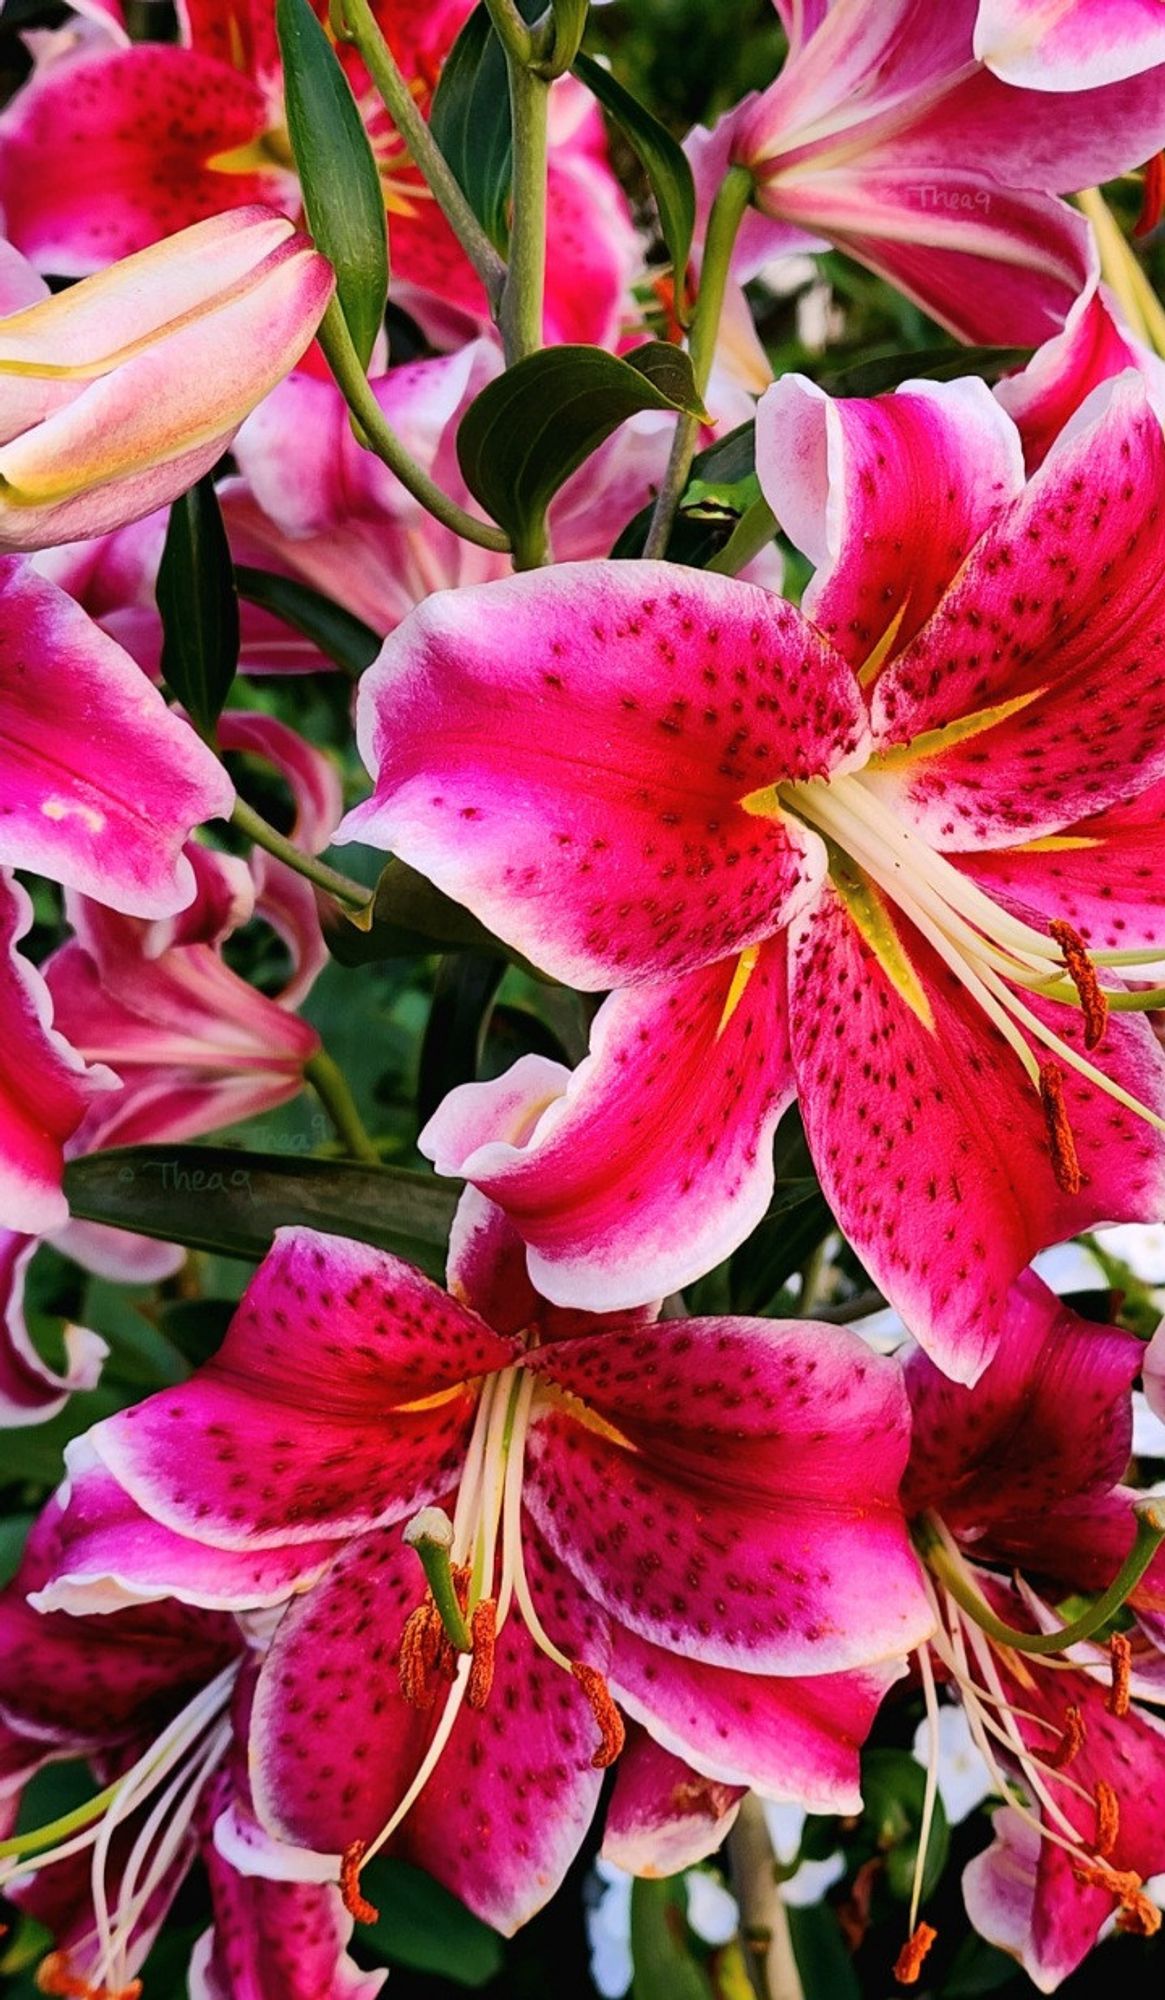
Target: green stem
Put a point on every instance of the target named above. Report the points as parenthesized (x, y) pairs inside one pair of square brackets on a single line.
[(515, 34), (353, 895), (330, 1084), (753, 532), (344, 363), (1150, 1532), (358, 25), (60, 1829), (520, 316), (1133, 1002), (723, 225)]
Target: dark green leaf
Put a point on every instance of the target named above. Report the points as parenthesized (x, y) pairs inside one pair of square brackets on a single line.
[(532, 427), (37, 1452), (663, 160), (199, 607), (721, 485), (798, 1219), (893, 1785), (463, 995), (341, 183), (470, 121), (932, 364), (216, 1198), (421, 1925), (409, 916), (348, 641), (13, 1535), (197, 1327), (978, 1968), (665, 1968), (826, 1968)]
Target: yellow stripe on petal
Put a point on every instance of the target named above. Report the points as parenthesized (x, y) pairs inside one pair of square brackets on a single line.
[(873, 919), (745, 966), (933, 742), (1055, 843), (872, 666)]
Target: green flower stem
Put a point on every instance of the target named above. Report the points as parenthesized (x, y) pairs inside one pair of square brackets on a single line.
[(723, 225), (520, 315), (355, 22), (1150, 1532), (344, 363), (330, 1084), (753, 532), (516, 35), (354, 897)]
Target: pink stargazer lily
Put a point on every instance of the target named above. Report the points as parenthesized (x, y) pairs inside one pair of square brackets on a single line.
[(1021, 1474), (860, 856), (172, 133), (117, 394), (1069, 45), (692, 1521), (155, 1698), (885, 136)]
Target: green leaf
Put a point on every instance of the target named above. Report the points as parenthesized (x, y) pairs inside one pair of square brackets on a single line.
[(798, 1219), (217, 1198), (932, 364), (37, 1452), (663, 160), (721, 486), (347, 640), (524, 435), (14, 1530), (470, 121), (409, 916), (422, 1926), (199, 606), (893, 1786), (826, 1968), (341, 183), (665, 1968), (463, 996)]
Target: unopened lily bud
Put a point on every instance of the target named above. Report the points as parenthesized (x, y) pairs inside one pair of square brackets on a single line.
[(116, 395)]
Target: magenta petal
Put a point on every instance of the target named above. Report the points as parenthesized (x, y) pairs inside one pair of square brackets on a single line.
[(1091, 348), (886, 495), (1050, 1419), (292, 1431), (30, 1391), (628, 855), (1050, 1937), (932, 1135), (100, 783), (751, 1517), (1062, 602), (1076, 45), (663, 1816), (671, 1115), (45, 1091), (794, 1738)]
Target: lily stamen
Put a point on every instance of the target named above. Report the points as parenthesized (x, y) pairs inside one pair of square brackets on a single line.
[(1121, 1656), (1061, 1143), (355, 1901), (908, 1964), (1107, 1819), (1072, 1741), (1082, 972)]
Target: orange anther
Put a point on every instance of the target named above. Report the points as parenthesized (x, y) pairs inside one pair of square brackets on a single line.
[(420, 1648), (612, 1734), (1120, 1653), (483, 1629), (1072, 1740), (355, 1902), (1065, 1164), (1107, 1818), (908, 1963), (1082, 973)]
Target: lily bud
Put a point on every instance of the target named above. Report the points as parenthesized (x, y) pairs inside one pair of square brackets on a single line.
[(116, 395)]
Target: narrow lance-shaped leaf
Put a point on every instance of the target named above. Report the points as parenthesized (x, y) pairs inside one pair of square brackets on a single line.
[(532, 427), (221, 1199), (470, 121), (347, 640), (663, 161), (341, 183), (199, 606)]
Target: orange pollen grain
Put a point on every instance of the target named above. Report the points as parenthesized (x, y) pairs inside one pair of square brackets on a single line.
[(1120, 1653), (1082, 973), (612, 1734), (355, 1902), (1139, 1917), (483, 1631), (1072, 1740), (1065, 1164), (1152, 196), (1107, 1818), (908, 1963)]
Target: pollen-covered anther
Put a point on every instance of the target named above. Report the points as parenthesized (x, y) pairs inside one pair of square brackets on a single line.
[(908, 1963), (355, 1901), (1082, 973), (1107, 1818), (55, 1976), (612, 1734), (1065, 1164), (420, 1652), (1139, 1916), (483, 1627), (1120, 1654), (1137, 1913), (1071, 1741)]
